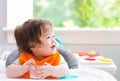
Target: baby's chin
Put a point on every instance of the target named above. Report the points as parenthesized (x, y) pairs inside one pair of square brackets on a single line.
[(54, 51)]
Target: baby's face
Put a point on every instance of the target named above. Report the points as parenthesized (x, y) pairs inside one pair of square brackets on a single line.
[(48, 46)]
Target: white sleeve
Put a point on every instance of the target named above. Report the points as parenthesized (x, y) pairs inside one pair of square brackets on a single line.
[(16, 62), (62, 69), (62, 60)]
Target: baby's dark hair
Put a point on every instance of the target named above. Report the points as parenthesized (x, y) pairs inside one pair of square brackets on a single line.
[(30, 31)]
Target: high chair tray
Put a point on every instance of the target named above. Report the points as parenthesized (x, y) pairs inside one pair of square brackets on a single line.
[(82, 74)]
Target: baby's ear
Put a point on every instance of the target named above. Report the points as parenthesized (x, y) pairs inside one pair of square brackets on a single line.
[(33, 49), (32, 46)]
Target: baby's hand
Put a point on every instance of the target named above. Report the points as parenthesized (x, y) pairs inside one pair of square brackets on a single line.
[(26, 65), (45, 70)]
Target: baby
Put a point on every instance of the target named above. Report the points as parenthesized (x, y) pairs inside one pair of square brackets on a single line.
[(37, 45)]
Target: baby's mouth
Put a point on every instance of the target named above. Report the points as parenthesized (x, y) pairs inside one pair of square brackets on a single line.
[(53, 46)]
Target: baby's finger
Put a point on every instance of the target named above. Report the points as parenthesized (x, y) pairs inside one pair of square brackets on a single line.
[(41, 68), (42, 76), (46, 63), (31, 61), (41, 71)]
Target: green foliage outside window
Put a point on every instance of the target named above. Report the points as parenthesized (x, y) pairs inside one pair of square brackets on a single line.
[(79, 13)]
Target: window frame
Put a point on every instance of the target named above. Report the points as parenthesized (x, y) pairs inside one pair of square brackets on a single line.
[(79, 36)]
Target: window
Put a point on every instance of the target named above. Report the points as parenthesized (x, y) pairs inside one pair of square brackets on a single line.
[(79, 13)]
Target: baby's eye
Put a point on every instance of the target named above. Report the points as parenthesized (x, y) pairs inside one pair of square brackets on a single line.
[(48, 37)]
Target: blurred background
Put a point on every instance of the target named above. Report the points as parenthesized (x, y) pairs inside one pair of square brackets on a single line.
[(89, 16)]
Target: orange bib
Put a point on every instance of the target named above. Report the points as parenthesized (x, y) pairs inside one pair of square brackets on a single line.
[(53, 60)]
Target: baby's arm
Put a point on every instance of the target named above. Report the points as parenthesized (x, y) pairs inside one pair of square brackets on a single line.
[(61, 69), (56, 71), (16, 71)]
